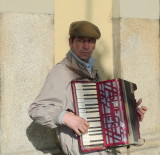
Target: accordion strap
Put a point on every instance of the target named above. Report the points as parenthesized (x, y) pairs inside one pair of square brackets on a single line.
[(82, 74)]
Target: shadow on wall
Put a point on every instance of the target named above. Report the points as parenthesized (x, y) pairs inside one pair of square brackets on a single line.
[(43, 139), (101, 50), (101, 53)]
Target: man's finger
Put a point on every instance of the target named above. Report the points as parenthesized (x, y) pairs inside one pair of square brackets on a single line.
[(140, 115), (139, 102), (78, 132), (144, 108)]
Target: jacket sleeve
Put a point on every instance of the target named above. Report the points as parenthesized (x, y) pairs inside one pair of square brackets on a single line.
[(51, 100)]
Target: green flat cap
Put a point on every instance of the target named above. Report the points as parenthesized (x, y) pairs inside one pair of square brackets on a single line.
[(84, 29)]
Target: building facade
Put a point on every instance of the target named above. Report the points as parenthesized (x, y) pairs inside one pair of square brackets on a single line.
[(34, 37)]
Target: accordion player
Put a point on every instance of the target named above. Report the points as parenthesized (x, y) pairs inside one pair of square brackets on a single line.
[(110, 108)]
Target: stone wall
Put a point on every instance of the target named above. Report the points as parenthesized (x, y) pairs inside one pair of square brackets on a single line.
[(26, 56), (137, 59)]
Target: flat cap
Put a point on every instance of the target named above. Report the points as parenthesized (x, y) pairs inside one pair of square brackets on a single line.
[(84, 29)]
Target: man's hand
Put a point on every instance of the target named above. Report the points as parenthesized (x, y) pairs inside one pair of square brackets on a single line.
[(78, 124), (141, 110)]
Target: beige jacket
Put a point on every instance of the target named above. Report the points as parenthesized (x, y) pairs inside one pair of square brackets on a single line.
[(55, 97)]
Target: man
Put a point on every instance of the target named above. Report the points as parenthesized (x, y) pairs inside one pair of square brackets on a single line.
[(54, 105)]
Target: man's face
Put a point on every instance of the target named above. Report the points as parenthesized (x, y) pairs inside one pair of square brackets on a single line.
[(83, 47)]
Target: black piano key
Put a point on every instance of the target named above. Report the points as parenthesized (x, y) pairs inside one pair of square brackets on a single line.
[(94, 145), (91, 85), (93, 142), (95, 127), (92, 134), (89, 94), (86, 89), (92, 117), (90, 98), (91, 104)]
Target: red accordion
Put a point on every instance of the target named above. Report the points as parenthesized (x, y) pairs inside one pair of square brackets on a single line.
[(110, 108)]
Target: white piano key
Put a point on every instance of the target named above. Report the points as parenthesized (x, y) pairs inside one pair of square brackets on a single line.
[(94, 124), (85, 115), (85, 87), (94, 129), (95, 132), (92, 139), (87, 97), (95, 101), (88, 137), (86, 100), (93, 143), (88, 110), (93, 119), (86, 92)]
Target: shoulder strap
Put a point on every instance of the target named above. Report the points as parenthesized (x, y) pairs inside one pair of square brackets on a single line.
[(80, 73)]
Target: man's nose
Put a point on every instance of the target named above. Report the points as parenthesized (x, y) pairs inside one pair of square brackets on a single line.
[(85, 44)]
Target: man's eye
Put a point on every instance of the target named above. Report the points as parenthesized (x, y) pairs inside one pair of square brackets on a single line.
[(92, 41)]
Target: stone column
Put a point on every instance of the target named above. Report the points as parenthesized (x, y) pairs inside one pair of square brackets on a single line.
[(137, 59), (26, 56)]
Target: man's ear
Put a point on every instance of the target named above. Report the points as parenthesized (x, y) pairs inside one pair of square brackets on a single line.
[(71, 39), (70, 42)]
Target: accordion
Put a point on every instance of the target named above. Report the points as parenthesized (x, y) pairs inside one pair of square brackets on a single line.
[(110, 108)]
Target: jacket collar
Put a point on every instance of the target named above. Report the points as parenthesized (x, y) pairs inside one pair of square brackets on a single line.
[(88, 64), (76, 65)]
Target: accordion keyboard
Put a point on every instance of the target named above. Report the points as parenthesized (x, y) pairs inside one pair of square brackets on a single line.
[(88, 109)]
